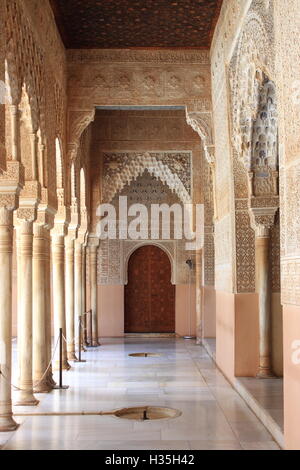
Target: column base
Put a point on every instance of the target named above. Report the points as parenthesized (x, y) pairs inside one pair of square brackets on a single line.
[(42, 387), (7, 423), (27, 399), (72, 356), (199, 342), (50, 380), (65, 366), (95, 343), (265, 374)]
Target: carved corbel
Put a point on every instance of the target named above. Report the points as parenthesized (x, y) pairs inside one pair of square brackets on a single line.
[(79, 120), (201, 122)]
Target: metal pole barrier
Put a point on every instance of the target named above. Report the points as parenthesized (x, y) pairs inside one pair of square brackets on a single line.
[(90, 345), (80, 340), (61, 386)]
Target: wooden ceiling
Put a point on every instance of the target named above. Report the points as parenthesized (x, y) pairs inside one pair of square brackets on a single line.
[(90, 24)]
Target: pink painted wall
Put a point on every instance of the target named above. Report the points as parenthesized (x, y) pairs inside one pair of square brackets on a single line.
[(291, 344), (209, 312), (182, 310), (237, 344), (225, 333), (111, 310)]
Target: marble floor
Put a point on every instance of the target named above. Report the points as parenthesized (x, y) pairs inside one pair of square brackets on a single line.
[(184, 377), (268, 394)]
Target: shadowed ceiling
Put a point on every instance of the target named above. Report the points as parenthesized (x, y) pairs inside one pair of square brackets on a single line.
[(136, 23)]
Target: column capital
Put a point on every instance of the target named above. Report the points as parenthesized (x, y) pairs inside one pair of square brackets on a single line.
[(11, 183), (6, 216), (45, 216), (93, 242), (262, 219)]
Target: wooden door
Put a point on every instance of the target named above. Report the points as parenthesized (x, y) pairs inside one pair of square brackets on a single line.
[(149, 294)]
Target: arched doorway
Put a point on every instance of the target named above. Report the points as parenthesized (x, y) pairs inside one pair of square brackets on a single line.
[(149, 294)]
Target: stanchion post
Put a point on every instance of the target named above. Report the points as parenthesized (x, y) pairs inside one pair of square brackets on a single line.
[(79, 340), (61, 386), (90, 323)]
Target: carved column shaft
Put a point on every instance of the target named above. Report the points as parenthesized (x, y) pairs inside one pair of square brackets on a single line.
[(263, 288), (70, 312), (40, 310), (6, 247), (94, 294), (25, 247), (58, 270)]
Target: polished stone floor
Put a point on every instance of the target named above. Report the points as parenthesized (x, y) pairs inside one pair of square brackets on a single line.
[(183, 377), (269, 395)]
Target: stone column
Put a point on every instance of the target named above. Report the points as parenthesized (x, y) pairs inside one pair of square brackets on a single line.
[(70, 312), (58, 273), (48, 292), (6, 247), (263, 289), (84, 333), (78, 284), (199, 305), (94, 294), (40, 310), (25, 247)]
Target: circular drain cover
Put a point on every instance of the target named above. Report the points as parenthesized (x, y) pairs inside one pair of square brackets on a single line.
[(147, 413), (144, 355)]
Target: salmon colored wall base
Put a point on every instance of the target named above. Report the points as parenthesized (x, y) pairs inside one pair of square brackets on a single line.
[(209, 312), (291, 344), (237, 344), (185, 298), (111, 310)]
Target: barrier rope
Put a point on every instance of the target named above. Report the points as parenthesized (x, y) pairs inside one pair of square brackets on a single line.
[(18, 389)]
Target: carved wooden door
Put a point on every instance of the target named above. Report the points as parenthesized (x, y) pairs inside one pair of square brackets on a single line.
[(149, 294)]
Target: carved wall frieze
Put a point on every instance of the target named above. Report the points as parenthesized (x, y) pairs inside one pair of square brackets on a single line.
[(131, 56)]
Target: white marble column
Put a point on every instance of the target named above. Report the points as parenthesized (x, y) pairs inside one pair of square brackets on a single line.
[(7, 422), (70, 311), (94, 293), (84, 324), (40, 338), (48, 284), (78, 284), (25, 284), (263, 289), (58, 273), (199, 305)]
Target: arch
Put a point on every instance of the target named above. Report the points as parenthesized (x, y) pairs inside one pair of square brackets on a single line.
[(136, 167), (158, 244)]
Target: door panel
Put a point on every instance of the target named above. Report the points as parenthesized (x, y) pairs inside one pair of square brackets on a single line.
[(149, 295)]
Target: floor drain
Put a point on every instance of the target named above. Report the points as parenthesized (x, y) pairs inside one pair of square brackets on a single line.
[(144, 355), (147, 413)]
